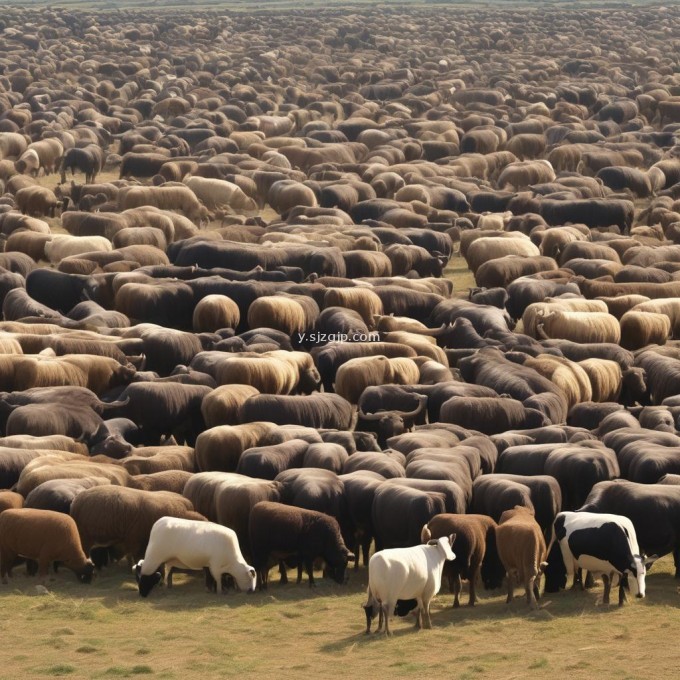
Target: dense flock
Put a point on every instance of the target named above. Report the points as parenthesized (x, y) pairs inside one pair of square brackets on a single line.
[(223, 278)]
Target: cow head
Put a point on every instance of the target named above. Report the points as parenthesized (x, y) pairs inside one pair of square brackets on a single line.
[(444, 546), (86, 573), (555, 572), (638, 570), (337, 570), (145, 583), (246, 579)]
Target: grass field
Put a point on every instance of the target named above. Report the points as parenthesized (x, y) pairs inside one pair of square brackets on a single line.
[(107, 631)]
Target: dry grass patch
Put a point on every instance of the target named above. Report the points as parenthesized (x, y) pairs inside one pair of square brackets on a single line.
[(108, 631), (458, 272)]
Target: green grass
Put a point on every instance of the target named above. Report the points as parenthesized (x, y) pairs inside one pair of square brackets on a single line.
[(107, 631)]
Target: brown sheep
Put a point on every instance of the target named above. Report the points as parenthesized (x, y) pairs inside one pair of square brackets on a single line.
[(668, 306), (567, 375), (9, 500), (220, 194), (581, 327), (424, 345), (214, 312), (114, 516), (150, 236), (360, 299), (103, 373), (482, 250), (605, 379), (31, 243), (475, 546), (269, 375), (36, 201), (356, 374), (522, 550), (151, 459), (166, 480), (44, 536), (177, 197), (641, 328), (621, 304), (222, 405), (54, 442), (53, 467), (220, 448), (278, 312), (535, 312), (20, 372)]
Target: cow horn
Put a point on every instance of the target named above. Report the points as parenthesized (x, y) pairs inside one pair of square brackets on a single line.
[(422, 400), (371, 416)]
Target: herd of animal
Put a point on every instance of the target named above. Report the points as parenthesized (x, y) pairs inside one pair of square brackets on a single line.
[(228, 341)]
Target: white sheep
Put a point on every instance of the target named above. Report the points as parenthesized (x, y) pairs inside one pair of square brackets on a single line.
[(193, 545), (406, 574)]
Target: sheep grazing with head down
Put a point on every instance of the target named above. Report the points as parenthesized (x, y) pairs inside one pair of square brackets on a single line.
[(45, 536), (190, 544)]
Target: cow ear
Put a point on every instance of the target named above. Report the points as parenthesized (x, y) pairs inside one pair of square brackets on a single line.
[(649, 561), (452, 538)]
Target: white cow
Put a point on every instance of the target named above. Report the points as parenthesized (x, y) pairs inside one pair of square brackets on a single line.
[(192, 544), (406, 574)]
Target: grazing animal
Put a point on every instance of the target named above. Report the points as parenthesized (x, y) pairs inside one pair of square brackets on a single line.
[(404, 574), (282, 531), (44, 536), (190, 544), (522, 550)]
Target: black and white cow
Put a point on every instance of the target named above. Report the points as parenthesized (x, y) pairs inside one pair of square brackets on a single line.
[(603, 544)]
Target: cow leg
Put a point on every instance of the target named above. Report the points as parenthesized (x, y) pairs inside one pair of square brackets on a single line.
[(578, 579), (262, 578), (457, 585), (476, 574), (6, 561), (510, 588), (309, 568), (381, 616), (168, 580), (300, 567), (365, 549), (210, 585), (424, 608), (283, 573), (623, 581), (607, 588), (388, 608), (589, 582), (529, 587), (217, 576), (676, 560)]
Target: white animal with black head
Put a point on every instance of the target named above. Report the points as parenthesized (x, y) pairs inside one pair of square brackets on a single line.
[(193, 545), (604, 544), (399, 574)]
